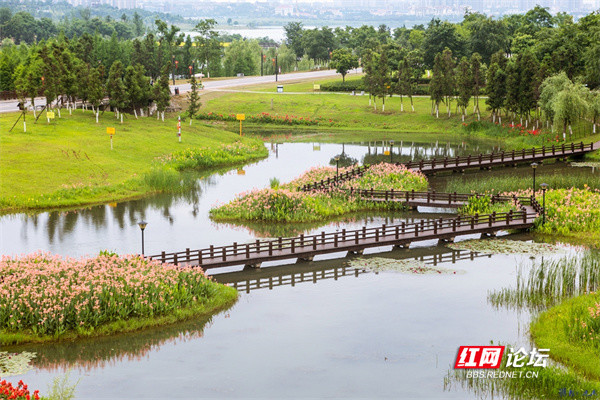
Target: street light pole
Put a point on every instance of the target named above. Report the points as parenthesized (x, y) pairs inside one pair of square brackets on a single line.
[(142, 224), (391, 151), (544, 188), (534, 167)]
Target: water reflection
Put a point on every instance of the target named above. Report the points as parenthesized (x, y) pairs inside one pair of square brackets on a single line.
[(102, 352), (180, 220)]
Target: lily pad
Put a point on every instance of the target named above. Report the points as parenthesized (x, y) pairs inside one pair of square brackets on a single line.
[(15, 363), (379, 264), (505, 246)]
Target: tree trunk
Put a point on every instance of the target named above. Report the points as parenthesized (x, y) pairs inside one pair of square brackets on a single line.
[(97, 113), (191, 121), (121, 117), (437, 111), (163, 116), (135, 112), (594, 128)]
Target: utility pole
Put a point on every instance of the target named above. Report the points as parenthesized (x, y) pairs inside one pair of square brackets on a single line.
[(262, 62), (276, 68)]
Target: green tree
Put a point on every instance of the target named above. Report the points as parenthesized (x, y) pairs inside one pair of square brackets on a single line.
[(439, 36), (478, 81), (594, 103), (382, 77), (208, 46), (139, 24), (194, 99), (293, 34), (448, 77), (242, 57), (464, 82), (436, 86), (570, 105), (496, 83), (162, 92), (549, 90), (343, 61), (95, 91), (116, 88)]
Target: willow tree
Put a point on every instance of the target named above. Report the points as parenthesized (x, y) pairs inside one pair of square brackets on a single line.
[(570, 105), (549, 89), (594, 107)]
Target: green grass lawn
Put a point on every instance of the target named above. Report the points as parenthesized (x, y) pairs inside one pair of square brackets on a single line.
[(69, 161)]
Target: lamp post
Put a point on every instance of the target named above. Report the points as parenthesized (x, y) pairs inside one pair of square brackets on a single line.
[(391, 151), (337, 165), (544, 188), (142, 224), (534, 167)]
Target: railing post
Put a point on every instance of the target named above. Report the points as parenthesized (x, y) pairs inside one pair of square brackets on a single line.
[(509, 217), (175, 258), (270, 248), (163, 257), (302, 240), (392, 194), (343, 234), (397, 232), (293, 245), (187, 254), (247, 250), (454, 225), (212, 251), (472, 222), (403, 227), (224, 250), (335, 240), (199, 257), (280, 242), (355, 237), (435, 227), (491, 216), (322, 237), (257, 246), (364, 232), (377, 234), (314, 242)]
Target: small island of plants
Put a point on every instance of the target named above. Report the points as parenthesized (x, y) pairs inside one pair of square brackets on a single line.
[(44, 297), (285, 203)]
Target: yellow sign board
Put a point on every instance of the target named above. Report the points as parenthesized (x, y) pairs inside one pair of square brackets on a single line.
[(316, 87), (50, 114), (241, 172), (240, 117), (386, 153), (110, 131)]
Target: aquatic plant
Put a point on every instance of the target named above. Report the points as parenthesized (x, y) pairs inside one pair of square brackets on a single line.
[(287, 204), (504, 246), (47, 295), (550, 282)]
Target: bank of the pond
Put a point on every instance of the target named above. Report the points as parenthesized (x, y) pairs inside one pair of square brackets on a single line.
[(572, 331), (285, 203), (69, 162), (47, 298)]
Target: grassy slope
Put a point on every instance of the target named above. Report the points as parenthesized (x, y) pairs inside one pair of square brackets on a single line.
[(224, 298), (548, 331), (73, 153)]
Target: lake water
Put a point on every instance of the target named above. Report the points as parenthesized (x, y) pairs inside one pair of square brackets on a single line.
[(329, 328)]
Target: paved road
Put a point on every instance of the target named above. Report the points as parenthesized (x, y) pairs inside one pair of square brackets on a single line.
[(11, 105)]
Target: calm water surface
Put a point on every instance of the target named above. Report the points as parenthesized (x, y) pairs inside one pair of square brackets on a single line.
[(328, 330)]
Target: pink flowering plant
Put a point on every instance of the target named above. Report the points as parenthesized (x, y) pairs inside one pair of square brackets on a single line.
[(287, 204), (44, 294)]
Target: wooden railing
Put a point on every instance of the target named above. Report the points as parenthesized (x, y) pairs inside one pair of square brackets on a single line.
[(502, 157), (280, 248), (332, 181)]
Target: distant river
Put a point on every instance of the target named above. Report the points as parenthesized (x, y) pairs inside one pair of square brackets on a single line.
[(276, 33)]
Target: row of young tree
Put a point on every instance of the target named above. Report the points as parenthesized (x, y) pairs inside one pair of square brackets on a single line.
[(64, 80), (518, 87)]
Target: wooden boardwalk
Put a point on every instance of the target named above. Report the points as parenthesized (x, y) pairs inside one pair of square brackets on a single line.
[(502, 158), (433, 199), (457, 164), (306, 247)]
